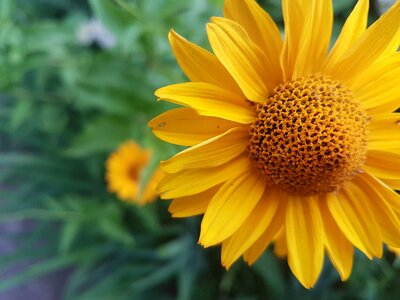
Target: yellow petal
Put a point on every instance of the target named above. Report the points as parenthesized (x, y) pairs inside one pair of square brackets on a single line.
[(183, 126), (241, 57), (384, 132), (193, 181), (149, 193), (280, 245), (294, 19), (370, 47), (385, 192), (394, 250), (394, 46), (383, 164), (355, 220), (315, 39), (211, 153), (208, 100), (192, 205), (261, 29), (230, 207), (259, 246), (304, 239), (378, 88), (255, 225), (386, 219), (340, 250), (201, 65), (354, 26), (393, 184)]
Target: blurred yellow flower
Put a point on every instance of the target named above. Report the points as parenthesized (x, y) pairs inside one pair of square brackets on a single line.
[(124, 174), (288, 143)]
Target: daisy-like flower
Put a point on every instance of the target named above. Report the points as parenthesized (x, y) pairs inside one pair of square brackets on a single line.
[(124, 169), (288, 143)]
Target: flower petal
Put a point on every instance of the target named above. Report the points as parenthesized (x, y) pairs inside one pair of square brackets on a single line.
[(211, 153), (378, 88), (280, 245), (208, 100), (183, 126), (383, 164), (355, 220), (193, 181), (149, 192), (254, 226), (304, 239), (393, 184), (259, 246), (230, 207), (354, 26), (261, 29), (386, 219), (384, 132), (340, 250), (294, 19), (192, 205), (370, 47), (315, 39), (241, 57), (201, 65), (385, 192)]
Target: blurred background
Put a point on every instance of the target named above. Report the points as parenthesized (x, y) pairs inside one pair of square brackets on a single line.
[(76, 81)]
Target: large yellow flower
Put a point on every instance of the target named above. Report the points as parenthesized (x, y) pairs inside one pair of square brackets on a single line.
[(124, 169), (288, 143)]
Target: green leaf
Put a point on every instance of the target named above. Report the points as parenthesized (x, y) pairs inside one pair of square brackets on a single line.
[(38, 37), (268, 268), (115, 231), (20, 114), (114, 18), (340, 6), (39, 269), (100, 136), (67, 235), (6, 8)]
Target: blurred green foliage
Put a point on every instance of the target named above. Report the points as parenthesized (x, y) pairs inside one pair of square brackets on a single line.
[(65, 104)]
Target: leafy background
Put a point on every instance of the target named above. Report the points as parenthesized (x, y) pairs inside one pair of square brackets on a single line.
[(64, 106)]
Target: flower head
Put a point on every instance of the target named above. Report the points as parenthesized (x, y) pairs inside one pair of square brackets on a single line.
[(124, 174), (289, 143)]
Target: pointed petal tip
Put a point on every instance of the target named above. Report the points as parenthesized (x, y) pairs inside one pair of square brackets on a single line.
[(157, 92), (344, 277), (308, 285), (226, 260), (227, 265), (203, 243), (163, 166), (380, 253), (172, 35), (215, 20), (210, 26)]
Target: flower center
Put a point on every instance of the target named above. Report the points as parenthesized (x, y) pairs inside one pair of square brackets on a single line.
[(310, 137), (133, 173)]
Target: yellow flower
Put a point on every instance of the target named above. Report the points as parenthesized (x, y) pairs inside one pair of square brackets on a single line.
[(287, 142), (123, 174)]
